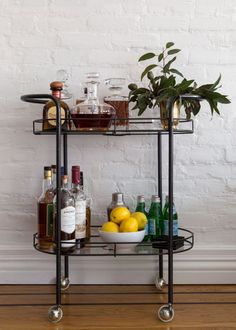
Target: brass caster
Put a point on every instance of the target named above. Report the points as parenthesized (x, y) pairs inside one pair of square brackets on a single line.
[(65, 283), (55, 314), (160, 283), (166, 313)]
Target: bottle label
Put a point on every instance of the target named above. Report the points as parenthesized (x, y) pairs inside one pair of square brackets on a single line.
[(175, 227), (52, 114), (49, 220), (80, 219), (68, 220), (152, 226)]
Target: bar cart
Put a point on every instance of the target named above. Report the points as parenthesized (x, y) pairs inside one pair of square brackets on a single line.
[(95, 247)]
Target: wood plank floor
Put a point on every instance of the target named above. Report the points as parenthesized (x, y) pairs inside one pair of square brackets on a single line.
[(123, 307)]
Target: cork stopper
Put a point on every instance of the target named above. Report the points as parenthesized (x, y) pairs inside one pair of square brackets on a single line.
[(56, 85)]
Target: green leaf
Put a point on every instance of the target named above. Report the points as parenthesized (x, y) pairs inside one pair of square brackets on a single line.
[(146, 56), (167, 66), (132, 87), (160, 57), (169, 44), (177, 72), (173, 51), (148, 68), (216, 82)]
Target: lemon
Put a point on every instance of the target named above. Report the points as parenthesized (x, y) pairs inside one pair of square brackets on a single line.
[(110, 227), (119, 214), (141, 218), (129, 225)]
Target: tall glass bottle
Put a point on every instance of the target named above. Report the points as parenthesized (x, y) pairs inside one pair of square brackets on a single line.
[(67, 215), (117, 200), (165, 224), (88, 209), (80, 207), (154, 215), (49, 110), (45, 212), (91, 115), (141, 208)]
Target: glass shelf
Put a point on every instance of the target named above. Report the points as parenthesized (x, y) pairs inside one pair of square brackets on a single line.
[(96, 247), (136, 126)]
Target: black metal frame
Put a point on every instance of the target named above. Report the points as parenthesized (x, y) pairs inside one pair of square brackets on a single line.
[(42, 98)]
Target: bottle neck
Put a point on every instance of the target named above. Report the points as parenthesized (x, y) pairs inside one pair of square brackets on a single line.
[(56, 93), (64, 185), (75, 186), (47, 184), (92, 91)]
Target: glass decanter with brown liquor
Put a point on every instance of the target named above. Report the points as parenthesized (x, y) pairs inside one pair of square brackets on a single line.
[(45, 212), (49, 110), (117, 101), (91, 115)]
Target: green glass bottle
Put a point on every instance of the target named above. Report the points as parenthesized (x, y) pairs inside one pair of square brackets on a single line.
[(154, 216), (165, 221), (141, 208)]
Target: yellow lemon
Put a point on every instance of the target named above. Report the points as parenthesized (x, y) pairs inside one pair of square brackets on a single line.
[(110, 227), (119, 214), (141, 218), (129, 225)]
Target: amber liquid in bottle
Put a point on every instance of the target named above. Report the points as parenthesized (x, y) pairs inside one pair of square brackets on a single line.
[(49, 110), (45, 213), (122, 111)]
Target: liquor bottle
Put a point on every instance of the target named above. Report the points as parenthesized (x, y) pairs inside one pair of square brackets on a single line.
[(45, 212), (154, 215), (117, 101), (80, 208), (49, 110), (165, 225), (88, 209), (117, 200), (141, 208), (54, 176), (91, 115), (67, 215)]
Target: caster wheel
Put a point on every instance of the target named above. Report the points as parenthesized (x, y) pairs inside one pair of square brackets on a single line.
[(55, 314), (160, 283), (65, 283), (166, 313)]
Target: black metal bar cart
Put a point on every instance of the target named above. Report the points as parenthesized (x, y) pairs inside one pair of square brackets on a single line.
[(95, 247)]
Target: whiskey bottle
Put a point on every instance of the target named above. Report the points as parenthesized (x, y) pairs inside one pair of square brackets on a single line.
[(67, 216), (45, 212), (49, 110), (80, 208)]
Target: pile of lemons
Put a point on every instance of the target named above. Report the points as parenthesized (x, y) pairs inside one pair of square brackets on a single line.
[(122, 220)]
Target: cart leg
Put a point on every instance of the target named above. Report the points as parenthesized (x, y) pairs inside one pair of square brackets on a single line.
[(166, 312), (55, 312), (159, 281), (65, 281)]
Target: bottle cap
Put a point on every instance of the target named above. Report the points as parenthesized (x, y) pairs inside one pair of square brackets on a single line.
[(140, 199), (155, 198), (62, 170), (56, 85), (76, 174), (118, 198), (47, 171)]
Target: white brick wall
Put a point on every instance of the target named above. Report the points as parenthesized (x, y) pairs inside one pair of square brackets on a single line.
[(39, 37)]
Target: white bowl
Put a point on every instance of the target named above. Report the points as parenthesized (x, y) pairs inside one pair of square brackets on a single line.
[(133, 237)]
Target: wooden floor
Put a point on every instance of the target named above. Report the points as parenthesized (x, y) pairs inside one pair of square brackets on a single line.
[(118, 307)]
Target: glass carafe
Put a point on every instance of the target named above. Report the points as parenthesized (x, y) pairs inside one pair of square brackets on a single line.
[(91, 115), (119, 102)]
